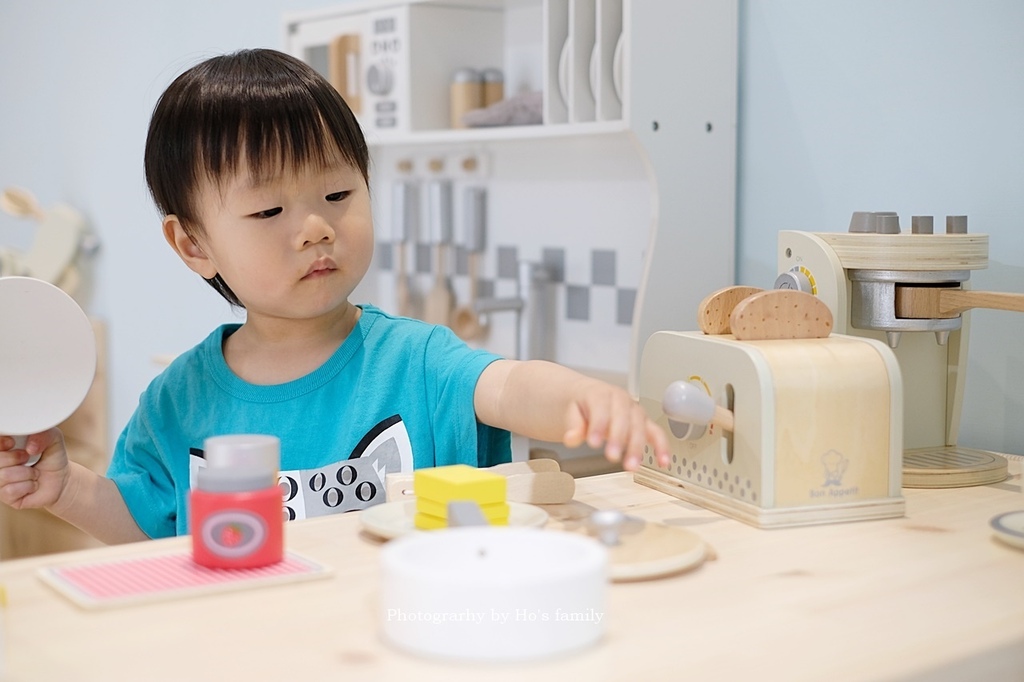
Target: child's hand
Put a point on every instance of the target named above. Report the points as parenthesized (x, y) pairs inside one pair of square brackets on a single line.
[(31, 487), (607, 415), (549, 402)]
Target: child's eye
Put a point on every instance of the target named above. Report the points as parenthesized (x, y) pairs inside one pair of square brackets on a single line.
[(337, 196), (269, 213)]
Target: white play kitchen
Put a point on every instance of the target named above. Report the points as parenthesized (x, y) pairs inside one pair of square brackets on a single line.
[(558, 215), (556, 179), (562, 214)]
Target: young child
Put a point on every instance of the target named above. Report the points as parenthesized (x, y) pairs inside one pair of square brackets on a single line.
[(261, 172)]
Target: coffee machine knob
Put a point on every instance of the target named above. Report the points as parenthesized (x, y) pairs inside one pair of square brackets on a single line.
[(795, 279)]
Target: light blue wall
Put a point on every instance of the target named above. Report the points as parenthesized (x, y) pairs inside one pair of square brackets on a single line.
[(911, 106), (914, 106)]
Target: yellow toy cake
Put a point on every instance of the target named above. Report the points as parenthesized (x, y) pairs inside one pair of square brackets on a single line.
[(435, 488)]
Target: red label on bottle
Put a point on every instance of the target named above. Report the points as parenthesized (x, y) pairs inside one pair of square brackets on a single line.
[(237, 530)]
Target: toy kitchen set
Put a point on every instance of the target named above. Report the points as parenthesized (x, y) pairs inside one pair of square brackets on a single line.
[(797, 425), (545, 188)]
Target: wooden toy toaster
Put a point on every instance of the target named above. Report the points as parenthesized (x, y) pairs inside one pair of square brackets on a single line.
[(817, 433)]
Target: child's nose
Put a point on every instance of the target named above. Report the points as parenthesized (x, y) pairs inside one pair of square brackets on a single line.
[(315, 229)]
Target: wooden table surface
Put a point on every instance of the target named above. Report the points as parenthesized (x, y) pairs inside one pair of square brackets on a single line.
[(931, 596)]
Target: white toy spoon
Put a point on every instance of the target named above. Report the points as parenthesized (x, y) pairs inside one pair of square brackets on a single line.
[(685, 403), (47, 357)]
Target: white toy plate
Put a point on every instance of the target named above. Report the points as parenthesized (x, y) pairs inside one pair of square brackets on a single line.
[(563, 70), (617, 68), (393, 519), (1009, 528), (595, 70), (47, 355)]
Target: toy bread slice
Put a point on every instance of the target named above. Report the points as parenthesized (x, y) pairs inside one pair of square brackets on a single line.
[(714, 311), (781, 314)]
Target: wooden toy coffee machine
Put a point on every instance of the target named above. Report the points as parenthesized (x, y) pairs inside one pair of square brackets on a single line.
[(773, 419), (911, 290), (796, 428)]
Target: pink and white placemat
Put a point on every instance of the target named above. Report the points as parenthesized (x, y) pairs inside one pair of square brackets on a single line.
[(120, 582)]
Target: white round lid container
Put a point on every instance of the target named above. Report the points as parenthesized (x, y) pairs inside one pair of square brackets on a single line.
[(493, 593)]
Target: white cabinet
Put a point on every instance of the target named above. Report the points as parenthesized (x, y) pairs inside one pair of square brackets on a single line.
[(624, 190)]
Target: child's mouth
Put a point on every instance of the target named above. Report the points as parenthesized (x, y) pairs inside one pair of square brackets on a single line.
[(320, 267)]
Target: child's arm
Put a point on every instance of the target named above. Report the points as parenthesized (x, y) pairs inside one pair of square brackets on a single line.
[(67, 489), (549, 402)]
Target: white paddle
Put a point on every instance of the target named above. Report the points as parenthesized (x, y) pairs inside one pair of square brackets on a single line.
[(47, 357)]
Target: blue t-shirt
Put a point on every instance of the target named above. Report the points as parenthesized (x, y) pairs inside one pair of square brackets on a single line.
[(396, 395)]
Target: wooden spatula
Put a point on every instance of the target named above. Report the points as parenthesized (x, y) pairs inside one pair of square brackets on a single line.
[(942, 302), (466, 321)]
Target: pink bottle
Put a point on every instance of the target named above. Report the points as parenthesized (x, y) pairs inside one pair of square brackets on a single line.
[(237, 514)]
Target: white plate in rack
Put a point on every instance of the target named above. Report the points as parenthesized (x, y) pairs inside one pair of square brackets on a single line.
[(563, 70), (617, 68)]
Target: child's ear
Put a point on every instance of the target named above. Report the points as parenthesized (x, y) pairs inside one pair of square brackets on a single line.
[(187, 249)]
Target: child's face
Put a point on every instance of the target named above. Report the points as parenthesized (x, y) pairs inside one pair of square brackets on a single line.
[(292, 247)]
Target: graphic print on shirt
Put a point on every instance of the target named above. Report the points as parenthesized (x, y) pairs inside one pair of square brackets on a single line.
[(355, 483), (345, 485)]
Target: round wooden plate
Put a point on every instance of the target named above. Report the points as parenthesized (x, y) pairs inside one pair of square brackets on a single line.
[(655, 551), (645, 549), (953, 467)]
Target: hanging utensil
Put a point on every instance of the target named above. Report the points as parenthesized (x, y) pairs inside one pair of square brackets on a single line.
[(403, 219), (466, 320), (438, 305)]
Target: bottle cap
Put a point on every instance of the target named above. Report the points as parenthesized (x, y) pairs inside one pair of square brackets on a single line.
[(243, 451), (213, 480)]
